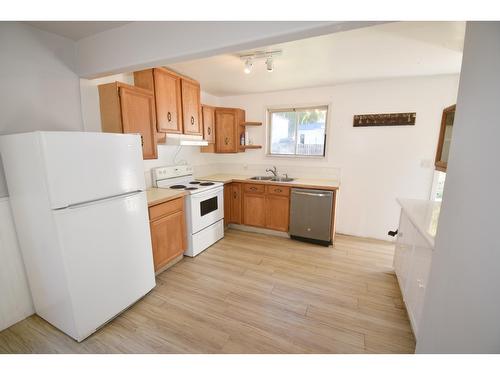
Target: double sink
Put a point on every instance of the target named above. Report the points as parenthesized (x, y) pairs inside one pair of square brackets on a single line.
[(271, 178)]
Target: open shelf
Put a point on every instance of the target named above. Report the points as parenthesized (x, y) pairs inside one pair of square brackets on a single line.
[(250, 147), (252, 123)]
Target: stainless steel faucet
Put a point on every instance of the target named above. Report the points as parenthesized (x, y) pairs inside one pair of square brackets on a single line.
[(274, 171)]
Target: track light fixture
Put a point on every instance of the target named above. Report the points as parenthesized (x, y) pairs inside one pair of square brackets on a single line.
[(269, 64), (248, 66), (268, 56)]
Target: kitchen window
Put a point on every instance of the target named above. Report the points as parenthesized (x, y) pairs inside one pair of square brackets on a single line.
[(297, 131)]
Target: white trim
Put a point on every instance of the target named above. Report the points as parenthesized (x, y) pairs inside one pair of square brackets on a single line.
[(328, 127), (271, 232)]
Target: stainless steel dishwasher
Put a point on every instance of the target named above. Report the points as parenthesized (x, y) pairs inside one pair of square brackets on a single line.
[(311, 215)]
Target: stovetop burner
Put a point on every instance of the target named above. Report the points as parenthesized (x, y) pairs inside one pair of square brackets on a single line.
[(206, 183), (191, 188), (177, 187), (195, 182)]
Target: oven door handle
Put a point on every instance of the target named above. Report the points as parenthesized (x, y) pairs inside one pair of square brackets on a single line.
[(207, 194)]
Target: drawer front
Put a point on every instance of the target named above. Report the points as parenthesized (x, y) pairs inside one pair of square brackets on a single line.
[(278, 190), (254, 188), (166, 208)]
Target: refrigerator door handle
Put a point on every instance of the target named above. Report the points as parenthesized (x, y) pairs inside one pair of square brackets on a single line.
[(97, 201)]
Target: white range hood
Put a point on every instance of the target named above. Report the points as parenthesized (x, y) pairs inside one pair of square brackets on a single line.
[(185, 140)]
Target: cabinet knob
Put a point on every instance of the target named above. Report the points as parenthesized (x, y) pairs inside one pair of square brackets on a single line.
[(142, 140), (169, 116), (253, 188), (278, 190), (192, 120), (420, 284), (235, 195), (226, 140), (209, 131)]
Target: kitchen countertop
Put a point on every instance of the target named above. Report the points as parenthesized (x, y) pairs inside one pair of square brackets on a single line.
[(311, 183), (424, 215), (156, 196)]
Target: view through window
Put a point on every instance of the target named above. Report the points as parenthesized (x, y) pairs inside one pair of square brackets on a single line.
[(298, 131)]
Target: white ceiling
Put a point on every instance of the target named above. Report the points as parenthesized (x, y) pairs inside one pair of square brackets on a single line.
[(399, 49), (76, 30)]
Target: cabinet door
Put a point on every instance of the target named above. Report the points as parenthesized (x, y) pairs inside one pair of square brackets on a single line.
[(137, 111), (227, 204), (417, 279), (277, 212), (168, 236), (191, 107), (225, 131), (235, 203), (403, 252), (254, 210), (208, 116), (168, 101)]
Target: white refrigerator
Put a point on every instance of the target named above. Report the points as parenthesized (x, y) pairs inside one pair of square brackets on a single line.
[(79, 205)]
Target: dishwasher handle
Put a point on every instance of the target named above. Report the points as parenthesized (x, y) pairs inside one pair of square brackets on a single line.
[(312, 194)]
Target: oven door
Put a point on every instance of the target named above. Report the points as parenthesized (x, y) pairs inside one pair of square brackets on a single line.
[(206, 208)]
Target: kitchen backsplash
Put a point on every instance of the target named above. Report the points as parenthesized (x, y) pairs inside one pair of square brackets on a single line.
[(295, 171), (298, 171)]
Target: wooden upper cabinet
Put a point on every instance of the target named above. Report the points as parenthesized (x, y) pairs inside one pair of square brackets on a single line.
[(191, 107), (227, 129), (208, 118), (167, 90), (129, 109), (168, 101)]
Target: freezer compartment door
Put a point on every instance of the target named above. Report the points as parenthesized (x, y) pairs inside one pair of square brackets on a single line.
[(82, 167), (311, 214), (106, 248)]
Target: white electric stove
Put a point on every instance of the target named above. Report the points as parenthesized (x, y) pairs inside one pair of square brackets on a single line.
[(204, 205)]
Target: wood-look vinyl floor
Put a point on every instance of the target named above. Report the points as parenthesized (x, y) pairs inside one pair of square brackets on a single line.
[(253, 293)]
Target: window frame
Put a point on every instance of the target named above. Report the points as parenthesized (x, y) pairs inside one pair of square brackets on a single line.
[(284, 108)]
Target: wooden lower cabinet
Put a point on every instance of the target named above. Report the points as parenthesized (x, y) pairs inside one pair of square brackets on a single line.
[(227, 204), (277, 212), (254, 210), (232, 203), (266, 206), (168, 231)]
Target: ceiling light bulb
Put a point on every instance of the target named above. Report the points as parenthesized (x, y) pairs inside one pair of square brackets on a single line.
[(248, 66), (269, 64)]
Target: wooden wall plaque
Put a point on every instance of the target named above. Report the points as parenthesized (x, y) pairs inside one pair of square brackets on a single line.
[(385, 119)]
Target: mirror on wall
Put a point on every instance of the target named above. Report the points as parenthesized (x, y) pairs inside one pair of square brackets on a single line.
[(443, 148)]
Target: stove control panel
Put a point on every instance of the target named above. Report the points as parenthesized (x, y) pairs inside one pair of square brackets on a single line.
[(171, 171)]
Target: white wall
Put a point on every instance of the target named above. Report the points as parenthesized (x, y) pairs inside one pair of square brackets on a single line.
[(377, 164), (15, 297), (462, 305), (39, 89), (139, 45)]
